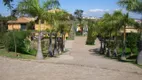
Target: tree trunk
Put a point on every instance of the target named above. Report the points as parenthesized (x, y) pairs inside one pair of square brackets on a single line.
[(101, 47), (55, 45), (63, 44), (123, 56), (109, 49), (50, 51), (115, 52), (39, 55), (104, 46), (15, 45)]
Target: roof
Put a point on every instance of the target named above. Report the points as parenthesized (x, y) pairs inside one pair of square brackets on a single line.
[(22, 20)]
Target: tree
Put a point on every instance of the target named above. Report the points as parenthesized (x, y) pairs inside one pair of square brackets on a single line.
[(134, 6), (117, 21), (130, 5), (92, 32), (34, 9), (109, 30), (57, 20), (8, 3), (108, 25), (79, 15)]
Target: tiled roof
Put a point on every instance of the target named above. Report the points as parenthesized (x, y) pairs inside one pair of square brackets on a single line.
[(22, 20)]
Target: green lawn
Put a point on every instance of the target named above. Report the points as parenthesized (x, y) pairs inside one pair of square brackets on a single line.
[(4, 53)]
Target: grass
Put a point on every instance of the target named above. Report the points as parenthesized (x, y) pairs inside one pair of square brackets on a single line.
[(70, 38), (12, 55), (130, 59)]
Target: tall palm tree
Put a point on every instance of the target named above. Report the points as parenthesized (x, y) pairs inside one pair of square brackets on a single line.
[(8, 3), (134, 6), (117, 20), (35, 9), (56, 20), (128, 4), (108, 25), (112, 24)]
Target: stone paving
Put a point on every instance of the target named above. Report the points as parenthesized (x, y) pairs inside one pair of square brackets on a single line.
[(79, 63)]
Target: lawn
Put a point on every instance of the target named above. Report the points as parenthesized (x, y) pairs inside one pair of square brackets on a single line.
[(4, 53)]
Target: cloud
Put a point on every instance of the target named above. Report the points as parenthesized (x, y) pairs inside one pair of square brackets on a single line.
[(95, 12), (98, 10), (101, 12)]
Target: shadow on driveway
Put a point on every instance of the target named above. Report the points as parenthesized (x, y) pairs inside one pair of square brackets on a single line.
[(95, 52)]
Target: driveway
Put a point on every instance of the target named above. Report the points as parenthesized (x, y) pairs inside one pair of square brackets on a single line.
[(79, 63)]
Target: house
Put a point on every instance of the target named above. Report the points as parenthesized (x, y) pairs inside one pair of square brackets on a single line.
[(43, 27), (130, 29), (19, 24)]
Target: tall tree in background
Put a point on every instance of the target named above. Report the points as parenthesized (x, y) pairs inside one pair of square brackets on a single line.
[(35, 9), (79, 15)]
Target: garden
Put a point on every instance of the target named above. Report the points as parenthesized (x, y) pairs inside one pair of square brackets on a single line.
[(36, 44), (116, 39)]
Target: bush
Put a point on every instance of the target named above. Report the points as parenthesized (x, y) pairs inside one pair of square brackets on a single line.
[(92, 34), (78, 33), (20, 40), (131, 42)]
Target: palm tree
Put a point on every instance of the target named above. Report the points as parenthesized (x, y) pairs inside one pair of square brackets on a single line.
[(56, 20), (34, 9), (134, 6), (8, 3), (108, 21), (128, 4), (109, 26), (117, 20)]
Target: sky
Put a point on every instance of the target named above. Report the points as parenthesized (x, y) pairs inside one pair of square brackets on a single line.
[(95, 8)]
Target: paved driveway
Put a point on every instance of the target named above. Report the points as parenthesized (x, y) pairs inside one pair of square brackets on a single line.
[(80, 63)]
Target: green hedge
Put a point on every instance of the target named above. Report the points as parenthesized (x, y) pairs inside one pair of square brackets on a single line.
[(20, 39)]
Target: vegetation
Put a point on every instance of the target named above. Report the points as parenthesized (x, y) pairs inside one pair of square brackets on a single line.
[(132, 41), (34, 9), (134, 6), (59, 22), (110, 29), (5, 53), (79, 17), (92, 32)]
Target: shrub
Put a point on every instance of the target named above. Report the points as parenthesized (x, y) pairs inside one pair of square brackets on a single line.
[(92, 34), (20, 40), (131, 42)]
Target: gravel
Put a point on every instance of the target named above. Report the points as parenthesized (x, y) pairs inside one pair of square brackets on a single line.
[(80, 63)]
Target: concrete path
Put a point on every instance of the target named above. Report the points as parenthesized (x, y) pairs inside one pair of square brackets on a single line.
[(80, 63)]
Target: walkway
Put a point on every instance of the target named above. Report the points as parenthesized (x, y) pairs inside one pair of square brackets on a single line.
[(80, 63)]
